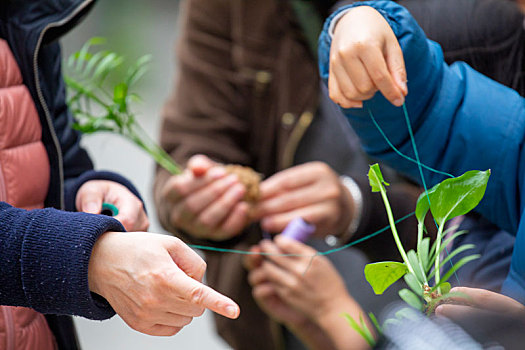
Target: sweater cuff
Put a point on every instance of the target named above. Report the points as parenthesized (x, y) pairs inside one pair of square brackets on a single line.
[(74, 185), (55, 257)]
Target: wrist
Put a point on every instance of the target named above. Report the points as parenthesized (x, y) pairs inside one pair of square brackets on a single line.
[(94, 272), (353, 211)]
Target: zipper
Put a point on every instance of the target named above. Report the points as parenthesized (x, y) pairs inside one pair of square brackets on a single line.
[(305, 120), (9, 328), (3, 190), (41, 99)]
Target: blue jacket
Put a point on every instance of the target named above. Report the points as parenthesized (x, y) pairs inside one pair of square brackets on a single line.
[(45, 253), (461, 121)]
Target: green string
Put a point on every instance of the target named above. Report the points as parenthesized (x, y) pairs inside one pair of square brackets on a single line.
[(417, 161), (245, 252), (398, 151)]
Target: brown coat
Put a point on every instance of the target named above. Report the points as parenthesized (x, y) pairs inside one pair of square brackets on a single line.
[(246, 92)]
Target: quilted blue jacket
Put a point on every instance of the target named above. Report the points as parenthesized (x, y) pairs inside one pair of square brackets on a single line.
[(461, 121)]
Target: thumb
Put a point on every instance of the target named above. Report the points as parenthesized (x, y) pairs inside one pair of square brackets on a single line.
[(89, 199), (396, 65), (200, 164)]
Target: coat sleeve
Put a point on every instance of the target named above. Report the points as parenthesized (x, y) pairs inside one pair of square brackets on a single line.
[(461, 121), (45, 256)]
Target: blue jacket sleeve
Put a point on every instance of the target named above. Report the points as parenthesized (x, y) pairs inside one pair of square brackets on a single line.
[(45, 256), (461, 121)]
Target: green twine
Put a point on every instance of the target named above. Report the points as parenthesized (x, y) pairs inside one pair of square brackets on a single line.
[(245, 252), (417, 161)]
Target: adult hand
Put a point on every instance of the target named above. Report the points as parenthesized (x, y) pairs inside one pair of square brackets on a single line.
[(476, 301), (206, 202), (365, 57), (312, 191), (153, 281), (131, 209)]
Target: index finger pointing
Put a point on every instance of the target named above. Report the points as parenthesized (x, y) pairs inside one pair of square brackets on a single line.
[(202, 295)]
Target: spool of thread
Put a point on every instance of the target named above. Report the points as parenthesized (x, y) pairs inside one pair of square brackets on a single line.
[(299, 230), (109, 209)]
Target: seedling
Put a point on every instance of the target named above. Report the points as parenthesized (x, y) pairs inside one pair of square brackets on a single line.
[(101, 100), (99, 103), (421, 268)]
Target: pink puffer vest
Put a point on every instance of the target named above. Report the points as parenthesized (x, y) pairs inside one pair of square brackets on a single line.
[(24, 182)]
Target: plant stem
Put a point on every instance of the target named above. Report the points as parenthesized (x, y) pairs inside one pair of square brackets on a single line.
[(437, 263), (159, 155), (394, 229)]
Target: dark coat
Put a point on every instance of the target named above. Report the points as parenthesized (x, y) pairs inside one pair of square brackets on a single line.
[(45, 253)]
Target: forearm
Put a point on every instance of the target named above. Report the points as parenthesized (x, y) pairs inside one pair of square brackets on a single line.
[(312, 336), (45, 256)]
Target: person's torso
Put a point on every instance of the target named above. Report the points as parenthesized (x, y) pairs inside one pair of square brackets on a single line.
[(24, 182)]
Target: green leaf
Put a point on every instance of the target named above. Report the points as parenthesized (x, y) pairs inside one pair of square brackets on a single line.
[(375, 322), (445, 288), (456, 266), (360, 330), (445, 243), (375, 178), (418, 269), (423, 254), (413, 283), (109, 63), (422, 206), (382, 275), (411, 298), (140, 68), (450, 239), (457, 251), (119, 96), (458, 196)]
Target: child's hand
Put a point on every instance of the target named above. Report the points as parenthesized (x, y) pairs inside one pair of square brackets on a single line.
[(480, 300), (306, 282), (365, 57), (131, 209)]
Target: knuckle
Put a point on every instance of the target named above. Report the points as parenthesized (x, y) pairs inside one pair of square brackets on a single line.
[(197, 295)]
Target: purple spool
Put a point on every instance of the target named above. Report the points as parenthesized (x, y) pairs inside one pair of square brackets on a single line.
[(299, 230)]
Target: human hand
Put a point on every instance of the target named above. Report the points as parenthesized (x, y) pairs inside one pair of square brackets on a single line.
[(312, 191), (478, 301), (205, 201), (93, 193), (153, 281), (305, 284), (268, 299), (365, 57)]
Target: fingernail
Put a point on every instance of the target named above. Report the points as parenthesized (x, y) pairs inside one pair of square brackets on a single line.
[(399, 101), (92, 208), (404, 87), (232, 311), (217, 172)]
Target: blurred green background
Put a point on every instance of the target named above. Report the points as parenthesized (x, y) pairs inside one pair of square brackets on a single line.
[(134, 28)]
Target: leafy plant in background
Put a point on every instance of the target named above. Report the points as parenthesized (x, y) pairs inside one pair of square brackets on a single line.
[(447, 200), (101, 104)]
